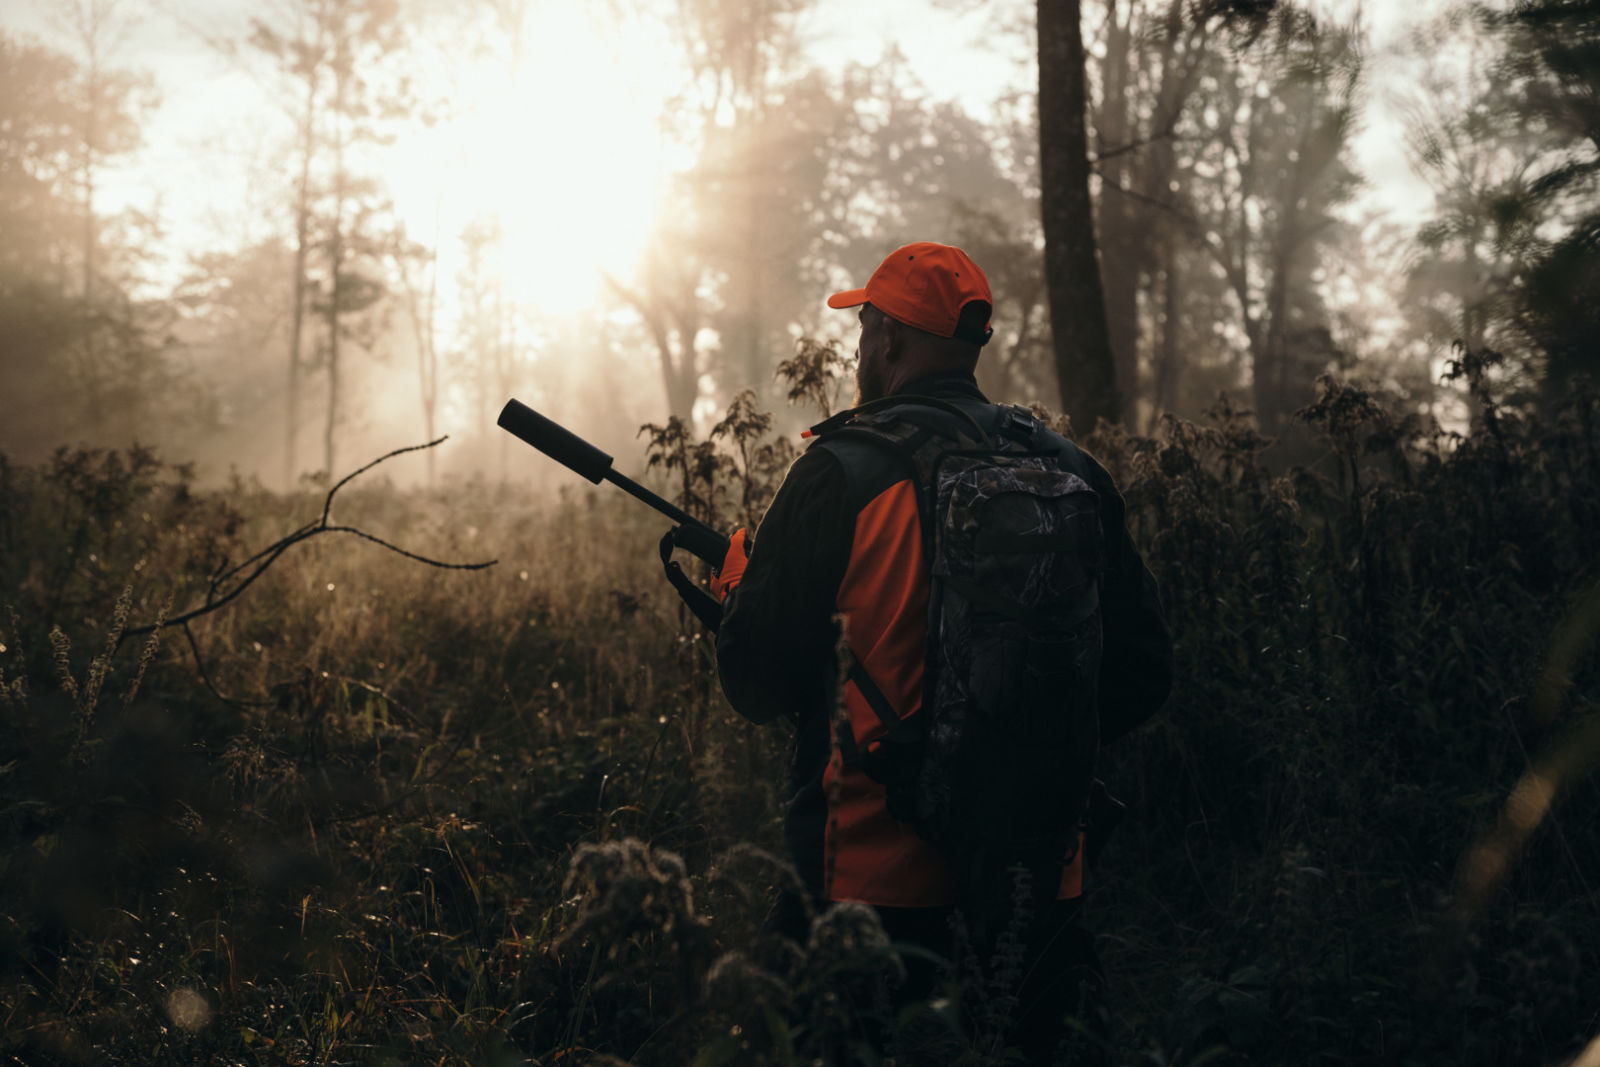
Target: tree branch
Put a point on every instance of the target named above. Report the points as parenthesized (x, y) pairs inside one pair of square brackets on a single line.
[(340, 484), (217, 599), (1169, 130), (205, 676)]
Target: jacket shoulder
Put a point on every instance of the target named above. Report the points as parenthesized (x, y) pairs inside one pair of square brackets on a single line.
[(868, 467)]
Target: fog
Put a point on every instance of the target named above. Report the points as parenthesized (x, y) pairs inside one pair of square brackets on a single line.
[(278, 239), (315, 756)]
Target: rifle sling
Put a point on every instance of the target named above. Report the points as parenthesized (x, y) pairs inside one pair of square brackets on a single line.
[(896, 729), (702, 603)]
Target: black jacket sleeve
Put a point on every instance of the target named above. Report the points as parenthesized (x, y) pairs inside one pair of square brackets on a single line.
[(777, 631), (1136, 668)]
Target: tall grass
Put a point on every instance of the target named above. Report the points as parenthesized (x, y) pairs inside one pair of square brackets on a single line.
[(413, 815)]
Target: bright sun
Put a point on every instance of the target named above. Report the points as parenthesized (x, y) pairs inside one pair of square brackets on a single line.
[(564, 150)]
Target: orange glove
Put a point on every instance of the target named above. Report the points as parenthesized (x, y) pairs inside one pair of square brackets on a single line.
[(726, 580)]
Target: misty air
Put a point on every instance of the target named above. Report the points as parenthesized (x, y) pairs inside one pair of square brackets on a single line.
[(714, 532)]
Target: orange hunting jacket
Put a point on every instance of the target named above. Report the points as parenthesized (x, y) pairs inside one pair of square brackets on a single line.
[(842, 540)]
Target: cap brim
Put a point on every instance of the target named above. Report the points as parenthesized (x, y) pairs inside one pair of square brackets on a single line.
[(850, 298)]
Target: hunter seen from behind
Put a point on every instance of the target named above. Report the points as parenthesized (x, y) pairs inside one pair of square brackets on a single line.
[(393, 392)]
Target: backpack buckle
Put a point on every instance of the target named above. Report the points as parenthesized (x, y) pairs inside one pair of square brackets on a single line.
[(1019, 424)]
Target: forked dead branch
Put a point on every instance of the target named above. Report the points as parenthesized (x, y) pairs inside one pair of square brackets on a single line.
[(229, 581)]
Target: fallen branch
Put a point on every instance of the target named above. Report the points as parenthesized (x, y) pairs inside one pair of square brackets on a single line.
[(227, 583), (205, 676)]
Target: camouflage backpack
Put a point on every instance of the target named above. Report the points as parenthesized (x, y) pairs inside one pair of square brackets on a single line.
[(996, 767)]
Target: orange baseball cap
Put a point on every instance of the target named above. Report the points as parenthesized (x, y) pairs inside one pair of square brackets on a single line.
[(926, 285)]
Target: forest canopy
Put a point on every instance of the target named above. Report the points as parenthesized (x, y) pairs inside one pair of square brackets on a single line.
[(410, 212)]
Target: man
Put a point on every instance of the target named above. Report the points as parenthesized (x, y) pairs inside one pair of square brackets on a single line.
[(842, 540)]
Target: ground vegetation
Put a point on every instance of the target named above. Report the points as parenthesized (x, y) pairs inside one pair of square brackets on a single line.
[(372, 810)]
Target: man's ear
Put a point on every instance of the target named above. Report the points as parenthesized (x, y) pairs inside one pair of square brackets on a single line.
[(894, 340)]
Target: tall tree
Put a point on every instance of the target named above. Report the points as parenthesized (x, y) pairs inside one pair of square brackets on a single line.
[(1123, 255), (669, 302), (715, 292), (1511, 257), (1150, 228), (234, 312), (343, 58), (800, 178), (1274, 139), (741, 56), (488, 353), (1085, 365), (1479, 164), (418, 268), (81, 357), (40, 307), (106, 127), (1146, 71), (302, 55), (1552, 66)]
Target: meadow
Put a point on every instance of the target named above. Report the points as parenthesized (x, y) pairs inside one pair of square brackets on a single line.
[(371, 810)]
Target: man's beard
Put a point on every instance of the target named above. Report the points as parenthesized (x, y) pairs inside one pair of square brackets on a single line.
[(869, 383)]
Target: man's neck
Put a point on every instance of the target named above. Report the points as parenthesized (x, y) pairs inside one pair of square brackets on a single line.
[(938, 383)]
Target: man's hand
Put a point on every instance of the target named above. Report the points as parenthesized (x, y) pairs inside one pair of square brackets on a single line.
[(728, 575)]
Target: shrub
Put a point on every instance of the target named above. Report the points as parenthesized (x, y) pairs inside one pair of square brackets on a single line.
[(378, 810)]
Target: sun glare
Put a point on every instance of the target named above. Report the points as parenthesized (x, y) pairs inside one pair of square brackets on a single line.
[(563, 150)]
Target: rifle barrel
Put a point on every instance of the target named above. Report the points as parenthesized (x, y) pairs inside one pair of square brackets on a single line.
[(666, 507), (576, 454)]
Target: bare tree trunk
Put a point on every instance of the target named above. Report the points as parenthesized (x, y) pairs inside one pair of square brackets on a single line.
[(335, 267), (486, 339), (427, 343), (420, 306), (489, 360), (680, 371), (302, 226), (1084, 364), (1271, 358), (1167, 363), (758, 371), (90, 22), (91, 133), (680, 378), (506, 366), (1122, 245)]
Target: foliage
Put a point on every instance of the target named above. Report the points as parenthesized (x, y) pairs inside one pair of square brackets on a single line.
[(83, 357), (747, 467), (1552, 60), (1512, 159), (500, 817), (815, 374)]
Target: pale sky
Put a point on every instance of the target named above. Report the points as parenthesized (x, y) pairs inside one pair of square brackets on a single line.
[(209, 165), (569, 154)]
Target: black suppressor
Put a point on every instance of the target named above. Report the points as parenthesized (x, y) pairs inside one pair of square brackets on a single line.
[(573, 452)]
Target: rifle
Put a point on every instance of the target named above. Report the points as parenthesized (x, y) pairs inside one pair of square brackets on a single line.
[(578, 455)]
